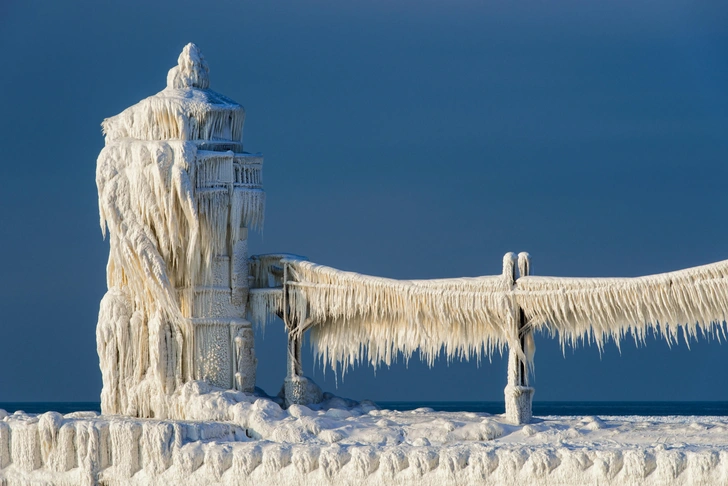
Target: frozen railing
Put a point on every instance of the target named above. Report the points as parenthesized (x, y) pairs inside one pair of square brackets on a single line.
[(354, 317), (224, 168)]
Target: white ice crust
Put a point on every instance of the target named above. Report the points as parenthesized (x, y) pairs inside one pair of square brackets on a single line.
[(253, 441), (191, 70), (177, 195)]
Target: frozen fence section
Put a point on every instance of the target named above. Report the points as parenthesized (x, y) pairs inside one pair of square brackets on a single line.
[(593, 310), (177, 194), (355, 318)]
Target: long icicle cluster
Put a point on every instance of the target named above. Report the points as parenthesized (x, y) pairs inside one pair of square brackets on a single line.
[(263, 304), (146, 199), (598, 309), (248, 208), (179, 114), (354, 316), (164, 231)]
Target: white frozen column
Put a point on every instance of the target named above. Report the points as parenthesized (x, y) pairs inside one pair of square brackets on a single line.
[(178, 195), (224, 351), (244, 361), (518, 395)]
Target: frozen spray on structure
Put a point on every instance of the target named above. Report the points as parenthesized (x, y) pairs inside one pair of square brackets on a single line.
[(177, 194)]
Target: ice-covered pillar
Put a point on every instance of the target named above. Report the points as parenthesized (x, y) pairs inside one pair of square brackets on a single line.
[(229, 200), (297, 389), (518, 395), (178, 195), (294, 365)]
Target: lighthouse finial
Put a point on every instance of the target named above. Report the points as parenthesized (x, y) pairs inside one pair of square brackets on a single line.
[(191, 70)]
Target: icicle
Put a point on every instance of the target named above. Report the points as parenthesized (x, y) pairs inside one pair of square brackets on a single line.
[(213, 208), (597, 309), (352, 314), (263, 304), (267, 270), (186, 110), (248, 207), (164, 231)]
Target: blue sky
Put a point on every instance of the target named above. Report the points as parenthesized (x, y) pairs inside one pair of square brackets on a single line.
[(404, 139)]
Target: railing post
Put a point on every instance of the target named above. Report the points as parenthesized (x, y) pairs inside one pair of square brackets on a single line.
[(518, 395), (294, 355), (297, 389), (294, 367)]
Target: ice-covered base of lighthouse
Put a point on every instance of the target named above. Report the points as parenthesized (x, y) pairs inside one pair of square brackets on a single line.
[(229, 437)]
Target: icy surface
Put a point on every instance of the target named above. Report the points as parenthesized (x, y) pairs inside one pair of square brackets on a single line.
[(355, 317), (177, 195), (191, 70), (596, 309), (344, 442)]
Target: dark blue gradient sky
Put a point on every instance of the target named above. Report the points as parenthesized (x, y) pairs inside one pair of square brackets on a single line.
[(409, 139)]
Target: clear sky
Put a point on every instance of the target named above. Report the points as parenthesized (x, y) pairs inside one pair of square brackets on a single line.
[(408, 139)]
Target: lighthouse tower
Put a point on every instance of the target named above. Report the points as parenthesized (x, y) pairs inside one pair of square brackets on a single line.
[(178, 195)]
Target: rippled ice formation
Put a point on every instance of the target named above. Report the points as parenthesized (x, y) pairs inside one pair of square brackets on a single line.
[(233, 438)]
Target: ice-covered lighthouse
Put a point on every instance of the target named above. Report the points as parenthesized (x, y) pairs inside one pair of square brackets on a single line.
[(178, 195)]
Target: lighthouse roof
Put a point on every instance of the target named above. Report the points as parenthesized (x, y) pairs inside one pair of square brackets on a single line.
[(187, 109)]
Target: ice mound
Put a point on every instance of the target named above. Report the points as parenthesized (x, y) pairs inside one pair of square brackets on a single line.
[(231, 437), (191, 71)]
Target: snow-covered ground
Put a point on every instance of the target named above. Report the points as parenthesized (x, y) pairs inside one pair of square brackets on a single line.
[(233, 438)]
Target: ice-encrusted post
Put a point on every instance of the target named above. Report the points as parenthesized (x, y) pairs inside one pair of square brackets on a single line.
[(293, 364), (518, 395), (297, 389)]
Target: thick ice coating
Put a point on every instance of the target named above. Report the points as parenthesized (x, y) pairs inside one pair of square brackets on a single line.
[(186, 110), (596, 309), (338, 441), (351, 315), (191, 71), (177, 194)]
